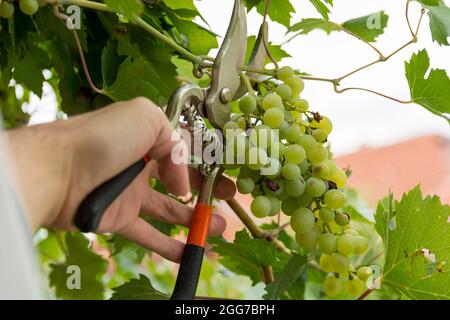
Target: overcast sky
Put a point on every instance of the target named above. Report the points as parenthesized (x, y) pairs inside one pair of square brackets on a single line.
[(360, 119)]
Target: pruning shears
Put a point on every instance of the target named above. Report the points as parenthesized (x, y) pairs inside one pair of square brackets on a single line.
[(193, 103)]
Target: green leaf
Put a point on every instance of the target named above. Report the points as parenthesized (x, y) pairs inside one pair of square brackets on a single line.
[(307, 25), (110, 63), (416, 237), (128, 8), (368, 27), (284, 280), (247, 256), (193, 36), (92, 267), (28, 71), (321, 7), (138, 289), (50, 26), (133, 80), (275, 50), (439, 22), (431, 92), (279, 11)]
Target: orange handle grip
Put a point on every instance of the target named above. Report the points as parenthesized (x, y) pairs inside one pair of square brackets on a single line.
[(199, 225)]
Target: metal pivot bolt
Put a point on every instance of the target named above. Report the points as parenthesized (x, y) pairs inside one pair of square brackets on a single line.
[(225, 95)]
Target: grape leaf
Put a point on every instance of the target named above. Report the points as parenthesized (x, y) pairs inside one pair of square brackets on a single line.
[(133, 80), (321, 7), (433, 92), (367, 27), (247, 256), (138, 289), (440, 23), (92, 267), (50, 27), (416, 238), (28, 71), (279, 11), (110, 63), (307, 25), (127, 8), (284, 280)]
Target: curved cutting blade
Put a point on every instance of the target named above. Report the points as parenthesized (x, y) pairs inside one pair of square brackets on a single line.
[(227, 68)]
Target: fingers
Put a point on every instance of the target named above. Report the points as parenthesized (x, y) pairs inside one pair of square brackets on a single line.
[(164, 208), (144, 234), (225, 188)]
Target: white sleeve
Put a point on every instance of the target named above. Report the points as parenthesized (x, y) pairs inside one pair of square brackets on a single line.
[(19, 276)]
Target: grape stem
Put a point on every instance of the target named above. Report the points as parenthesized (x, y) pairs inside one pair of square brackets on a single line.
[(365, 293), (254, 229), (264, 26)]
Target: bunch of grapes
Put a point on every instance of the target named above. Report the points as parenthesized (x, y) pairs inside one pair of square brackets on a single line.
[(287, 166), (28, 7)]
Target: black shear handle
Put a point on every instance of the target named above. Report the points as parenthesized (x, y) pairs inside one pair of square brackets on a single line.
[(189, 273), (91, 210)]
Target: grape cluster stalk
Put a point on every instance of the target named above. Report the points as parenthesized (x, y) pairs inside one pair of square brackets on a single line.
[(284, 159)]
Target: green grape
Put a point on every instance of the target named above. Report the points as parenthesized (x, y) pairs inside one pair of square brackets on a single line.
[(318, 155), (324, 123), (276, 149), (304, 200), (364, 273), (319, 134), (300, 105), (320, 170), (275, 206), (257, 191), (6, 10), (304, 166), (262, 136), (332, 285), (272, 100), (295, 188), (272, 169), (291, 171), (42, 3), (339, 177), (247, 104), (293, 133), (351, 232), (282, 129), (345, 244), (294, 154), (261, 207), (326, 215), (361, 244), (284, 91), (327, 243), (29, 7), (289, 205), (245, 185), (273, 118), (334, 199), (242, 123), (339, 263), (308, 143), (354, 286), (283, 196), (236, 149), (285, 73), (315, 187), (341, 219), (273, 187), (302, 220), (230, 129), (257, 158), (246, 172), (308, 241), (297, 85), (331, 166), (325, 262), (288, 117)]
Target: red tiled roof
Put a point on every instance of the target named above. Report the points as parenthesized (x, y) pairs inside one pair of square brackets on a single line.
[(400, 167)]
